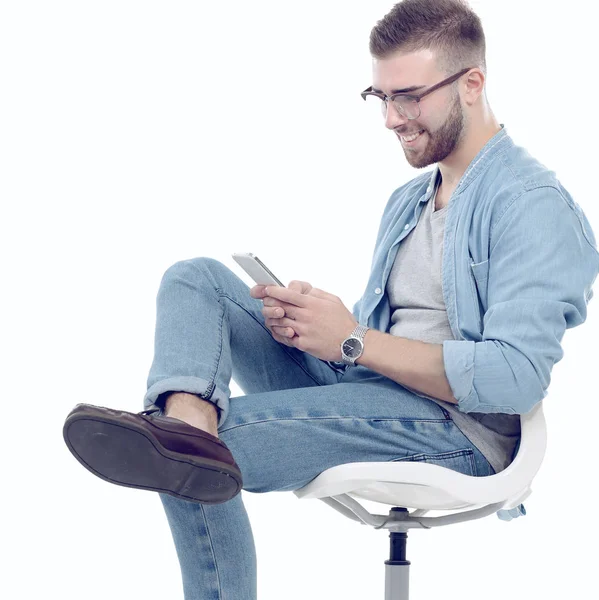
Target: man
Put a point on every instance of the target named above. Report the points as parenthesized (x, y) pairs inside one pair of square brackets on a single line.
[(479, 267)]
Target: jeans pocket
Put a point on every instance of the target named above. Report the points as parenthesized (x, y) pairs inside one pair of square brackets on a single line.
[(462, 461)]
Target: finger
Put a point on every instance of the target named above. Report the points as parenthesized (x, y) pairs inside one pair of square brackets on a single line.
[(281, 339), (257, 291), (273, 312), (280, 322), (286, 332), (276, 329), (324, 295), (287, 295), (289, 309), (303, 287)]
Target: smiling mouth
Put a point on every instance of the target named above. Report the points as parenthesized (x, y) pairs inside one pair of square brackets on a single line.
[(409, 135)]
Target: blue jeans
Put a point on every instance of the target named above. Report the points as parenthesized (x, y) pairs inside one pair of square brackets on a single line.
[(299, 416)]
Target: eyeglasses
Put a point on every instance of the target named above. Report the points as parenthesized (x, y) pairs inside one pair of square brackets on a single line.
[(408, 105)]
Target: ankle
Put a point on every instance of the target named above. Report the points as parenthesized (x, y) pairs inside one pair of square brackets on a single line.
[(191, 407)]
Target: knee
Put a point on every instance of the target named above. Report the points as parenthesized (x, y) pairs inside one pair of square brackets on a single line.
[(199, 266)]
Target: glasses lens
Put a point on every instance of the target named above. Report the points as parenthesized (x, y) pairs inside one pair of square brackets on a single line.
[(375, 105), (405, 105)]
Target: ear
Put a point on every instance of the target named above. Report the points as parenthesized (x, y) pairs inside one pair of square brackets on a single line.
[(475, 85)]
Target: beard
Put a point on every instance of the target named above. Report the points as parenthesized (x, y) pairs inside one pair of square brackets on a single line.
[(437, 146)]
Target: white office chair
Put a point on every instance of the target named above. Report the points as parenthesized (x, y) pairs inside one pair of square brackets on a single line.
[(425, 487)]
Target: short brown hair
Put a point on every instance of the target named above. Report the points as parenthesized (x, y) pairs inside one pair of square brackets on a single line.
[(449, 28)]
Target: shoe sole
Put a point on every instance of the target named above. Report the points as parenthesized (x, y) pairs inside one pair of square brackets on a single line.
[(132, 457)]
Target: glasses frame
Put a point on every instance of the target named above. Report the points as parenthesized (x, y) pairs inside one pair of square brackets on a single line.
[(368, 92)]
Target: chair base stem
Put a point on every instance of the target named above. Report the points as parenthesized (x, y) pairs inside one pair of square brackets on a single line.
[(397, 568)]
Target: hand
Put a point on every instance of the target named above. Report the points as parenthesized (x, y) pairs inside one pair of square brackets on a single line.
[(319, 320), (273, 319)]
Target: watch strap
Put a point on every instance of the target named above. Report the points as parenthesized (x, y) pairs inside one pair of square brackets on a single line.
[(359, 332)]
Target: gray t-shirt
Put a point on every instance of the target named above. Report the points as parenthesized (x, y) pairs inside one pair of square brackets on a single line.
[(418, 313)]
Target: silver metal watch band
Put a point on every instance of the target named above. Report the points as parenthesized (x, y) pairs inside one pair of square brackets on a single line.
[(359, 332)]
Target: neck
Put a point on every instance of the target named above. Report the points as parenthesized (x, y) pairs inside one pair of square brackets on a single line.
[(476, 136)]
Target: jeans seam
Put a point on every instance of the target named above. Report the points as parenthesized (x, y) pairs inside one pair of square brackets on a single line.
[(467, 452), (220, 593), (446, 453), (473, 464), (220, 339), (337, 418), (212, 379)]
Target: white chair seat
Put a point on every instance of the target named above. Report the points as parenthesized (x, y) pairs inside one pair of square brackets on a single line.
[(425, 486)]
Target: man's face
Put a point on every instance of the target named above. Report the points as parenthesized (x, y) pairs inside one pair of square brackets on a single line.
[(441, 115)]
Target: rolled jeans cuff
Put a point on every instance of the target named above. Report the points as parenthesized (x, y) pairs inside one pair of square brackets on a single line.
[(191, 385)]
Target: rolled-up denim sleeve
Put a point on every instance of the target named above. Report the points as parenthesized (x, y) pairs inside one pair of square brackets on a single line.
[(356, 309), (543, 261)]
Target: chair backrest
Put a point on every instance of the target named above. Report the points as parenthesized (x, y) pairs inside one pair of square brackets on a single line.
[(528, 458)]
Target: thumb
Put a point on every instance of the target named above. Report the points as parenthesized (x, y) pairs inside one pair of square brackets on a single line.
[(303, 287)]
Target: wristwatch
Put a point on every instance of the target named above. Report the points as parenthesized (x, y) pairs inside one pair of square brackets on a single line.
[(353, 345)]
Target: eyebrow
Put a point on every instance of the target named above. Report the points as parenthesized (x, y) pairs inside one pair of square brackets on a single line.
[(409, 89)]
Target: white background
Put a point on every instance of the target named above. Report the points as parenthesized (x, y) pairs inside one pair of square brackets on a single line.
[(136, 134)]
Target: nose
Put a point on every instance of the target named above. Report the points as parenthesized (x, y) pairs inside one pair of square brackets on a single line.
[(393, 118)]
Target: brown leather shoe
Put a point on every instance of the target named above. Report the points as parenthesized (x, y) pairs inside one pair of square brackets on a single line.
[(152, 452)]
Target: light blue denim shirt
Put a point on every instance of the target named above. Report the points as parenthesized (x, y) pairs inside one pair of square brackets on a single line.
[(519, 262)]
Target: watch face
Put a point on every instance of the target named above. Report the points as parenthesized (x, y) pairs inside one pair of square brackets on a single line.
[(352, 347)]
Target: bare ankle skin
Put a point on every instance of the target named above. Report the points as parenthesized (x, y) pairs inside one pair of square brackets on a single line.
[(193, 410)]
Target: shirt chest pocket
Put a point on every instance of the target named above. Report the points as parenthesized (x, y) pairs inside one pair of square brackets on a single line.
[(479, 284)]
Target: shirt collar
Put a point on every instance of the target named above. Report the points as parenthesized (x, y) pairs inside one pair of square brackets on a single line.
[(477, 166)]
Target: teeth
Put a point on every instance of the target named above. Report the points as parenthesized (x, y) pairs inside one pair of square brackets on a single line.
[(410, 137)]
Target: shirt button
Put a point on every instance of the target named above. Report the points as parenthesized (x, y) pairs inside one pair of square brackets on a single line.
[(407, 226), (377, 291)]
